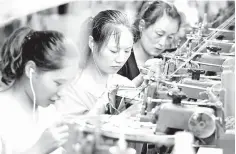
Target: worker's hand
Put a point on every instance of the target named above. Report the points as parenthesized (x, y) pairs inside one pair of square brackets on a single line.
[(86, 146), (153, 62), (112, 90), (152, 68), (100, 106), (108, 97), (52, 138)]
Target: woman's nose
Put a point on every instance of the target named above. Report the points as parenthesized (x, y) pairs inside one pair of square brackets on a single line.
[(162, 41), (120, 58), (56, 97)]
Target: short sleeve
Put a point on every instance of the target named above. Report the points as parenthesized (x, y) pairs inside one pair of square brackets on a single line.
[(73, 100)]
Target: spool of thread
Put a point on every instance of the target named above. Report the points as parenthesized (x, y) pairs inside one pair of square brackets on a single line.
[(169, 67), (151, 71), (228, 82), (204, 22), (157, 67), (183, 143)]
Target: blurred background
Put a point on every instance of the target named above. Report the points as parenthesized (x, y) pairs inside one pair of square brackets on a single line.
[(67, 16)]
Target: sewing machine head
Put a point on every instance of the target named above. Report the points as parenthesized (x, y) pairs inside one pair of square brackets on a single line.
[(204, 120)]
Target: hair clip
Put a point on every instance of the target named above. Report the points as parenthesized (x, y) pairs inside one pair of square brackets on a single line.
[(29, 36)]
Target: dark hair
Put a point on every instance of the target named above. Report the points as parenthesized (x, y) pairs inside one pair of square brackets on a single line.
[(107, 22), (151, 11), (101, 28), (45, 48)]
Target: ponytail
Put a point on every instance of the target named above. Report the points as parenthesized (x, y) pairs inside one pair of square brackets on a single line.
[(11, 55), (45, 48), (84, 33)]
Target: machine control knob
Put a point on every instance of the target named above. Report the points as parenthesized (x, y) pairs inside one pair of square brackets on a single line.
[(220, 37), (232, 27), (177, 97), (196, 73), (213, 49)]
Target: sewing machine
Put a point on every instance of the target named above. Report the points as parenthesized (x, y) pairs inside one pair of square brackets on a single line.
[(204, 119), (173, 102)]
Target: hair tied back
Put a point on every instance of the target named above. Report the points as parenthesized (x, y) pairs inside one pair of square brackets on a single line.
[(29, 36), (144, 8)]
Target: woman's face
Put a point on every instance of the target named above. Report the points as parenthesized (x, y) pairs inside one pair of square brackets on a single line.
[(47, 84), (158, 36), (111, 57)]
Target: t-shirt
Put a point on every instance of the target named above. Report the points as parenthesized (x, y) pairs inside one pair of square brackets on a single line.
[(130, 69), (81, 95), (18, 129)]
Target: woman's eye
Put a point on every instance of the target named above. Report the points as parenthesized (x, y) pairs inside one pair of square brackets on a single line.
[(170, 37), (127, 51), (58, 83), (113, 51), (160, 34)]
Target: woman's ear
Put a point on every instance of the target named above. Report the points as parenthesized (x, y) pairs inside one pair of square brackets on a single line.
[(141, 25), (30, 68), (91, 43)]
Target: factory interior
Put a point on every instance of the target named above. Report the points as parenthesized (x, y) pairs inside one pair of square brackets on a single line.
[(117, 77)]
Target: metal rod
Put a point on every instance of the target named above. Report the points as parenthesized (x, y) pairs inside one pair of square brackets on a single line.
[(202, 63), (190, 86), (161, 100), (221, 30), (180, 75), (184, 85), (203, 44), (129, 88), (211, 77), (222, 42), (197, 103), (209, 64)]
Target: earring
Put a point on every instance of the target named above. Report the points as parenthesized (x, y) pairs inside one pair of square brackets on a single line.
[(140, 28), (92, 49)]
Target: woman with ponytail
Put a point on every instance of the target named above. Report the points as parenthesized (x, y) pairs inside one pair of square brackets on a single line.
[(106, 43), (35, 65)]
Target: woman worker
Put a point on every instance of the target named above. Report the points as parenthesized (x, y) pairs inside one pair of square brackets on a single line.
[(156, 26), (109, 40), (36, 64)]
